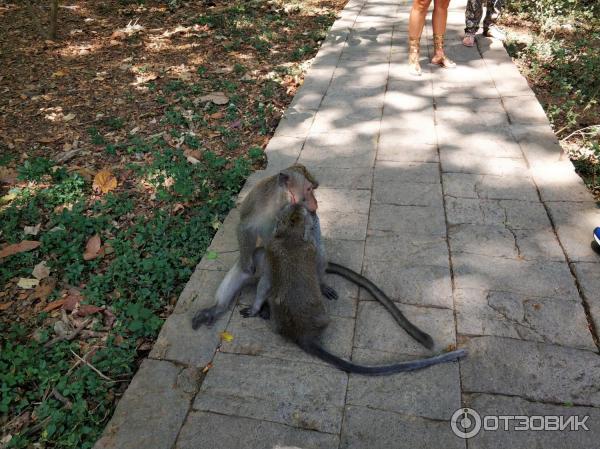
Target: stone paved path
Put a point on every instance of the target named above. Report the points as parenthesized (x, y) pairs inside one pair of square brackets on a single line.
[(451, 192)]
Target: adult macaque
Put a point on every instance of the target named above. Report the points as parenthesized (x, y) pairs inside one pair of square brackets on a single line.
[(258, 215), (295, 301), (258, 212)]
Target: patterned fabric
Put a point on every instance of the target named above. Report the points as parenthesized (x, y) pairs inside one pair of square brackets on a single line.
[(475, 11)]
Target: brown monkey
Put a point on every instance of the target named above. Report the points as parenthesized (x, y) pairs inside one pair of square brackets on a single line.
[(295, 299), (258, 212)]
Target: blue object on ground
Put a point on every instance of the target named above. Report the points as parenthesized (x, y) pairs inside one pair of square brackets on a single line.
[(597, 235)]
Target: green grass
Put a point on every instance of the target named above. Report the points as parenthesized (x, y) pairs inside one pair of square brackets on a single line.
[(154, 255)]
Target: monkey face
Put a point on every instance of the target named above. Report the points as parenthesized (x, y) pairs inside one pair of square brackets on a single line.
[(300, 186)]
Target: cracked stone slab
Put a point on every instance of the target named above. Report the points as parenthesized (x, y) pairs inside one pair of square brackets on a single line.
[(343, 200), (153, 408), (283, 151), (377, 330), (303, 395), (350, 254), (490, 187), (455, 161), (295, 122), (488, 140), (587, 275), (337, 225), (225, 240), (432, 393), (351, 149), (511, 214), (199, 291), (536, 371), (559, 182), (409, 105), (505, 314), (525, 111), (418, 284), (210, 430), (177, 341), (501, 241), (507, 78), (344, 94), (406, 249), (377, 429), (532, 278), (341, 119), (539, 144), (416, 221), (574, 223), (483, 113), (487, 405), (394, 148), (360, 178), (407, 193), (255, 336), (407, 172)]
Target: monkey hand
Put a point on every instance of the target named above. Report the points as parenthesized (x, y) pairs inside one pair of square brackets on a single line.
[(328, 292)]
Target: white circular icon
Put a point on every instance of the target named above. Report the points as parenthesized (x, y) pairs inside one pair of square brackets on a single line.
[(465, 423)]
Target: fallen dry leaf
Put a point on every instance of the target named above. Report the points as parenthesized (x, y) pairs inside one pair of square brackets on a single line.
[(216, 97), (104, 182), (6, 305), (15, 248), (53, 305), (41, 271), (72, 299), (226, 336), (92, 247), (43, 290), (87, 309), (217, 115), (196, 154), (28, 284)]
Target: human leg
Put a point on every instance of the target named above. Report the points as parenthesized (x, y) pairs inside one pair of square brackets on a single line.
[(416, 22), (440, 17)]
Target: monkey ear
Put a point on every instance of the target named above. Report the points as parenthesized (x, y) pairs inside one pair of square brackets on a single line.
[(283, 178)]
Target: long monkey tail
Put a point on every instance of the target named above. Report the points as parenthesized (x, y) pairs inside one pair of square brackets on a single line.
[(314, 348), (416, 333)]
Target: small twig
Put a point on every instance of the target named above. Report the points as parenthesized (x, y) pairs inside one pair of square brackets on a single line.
[(580, 131), (36, 427), (68, 404), (92, 367), (71, 335)]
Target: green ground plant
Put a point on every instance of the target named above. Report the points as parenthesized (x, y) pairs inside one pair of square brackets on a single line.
[(560, 56)]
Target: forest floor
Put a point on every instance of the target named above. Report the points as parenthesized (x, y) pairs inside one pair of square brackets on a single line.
[(123, 143)]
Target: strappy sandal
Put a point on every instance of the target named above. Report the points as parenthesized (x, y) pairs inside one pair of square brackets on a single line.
[(441, 60), (414, 67)]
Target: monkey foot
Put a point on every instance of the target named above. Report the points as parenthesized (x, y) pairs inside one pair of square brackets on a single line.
[(264, 312), (246, 312), (204, 316), (329, 292)]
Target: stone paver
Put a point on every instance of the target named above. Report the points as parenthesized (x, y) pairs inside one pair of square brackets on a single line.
[(451, 193)]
